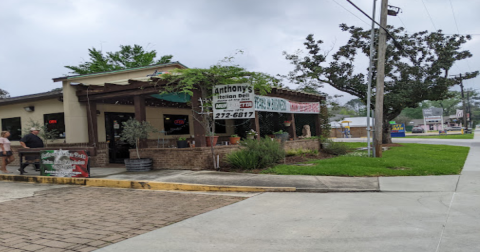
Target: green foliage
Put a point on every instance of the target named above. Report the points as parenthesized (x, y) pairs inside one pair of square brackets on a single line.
[(134, 130), (335, 148), (278, 132), (234, 135), (45, 134), (301, 152), (256, 154), (182, 139), (127, 57), (418, 72), (4, 94)]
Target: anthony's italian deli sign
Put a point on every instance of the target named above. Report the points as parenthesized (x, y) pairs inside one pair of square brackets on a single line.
[(64, 163), (233, 101), (273, 104)]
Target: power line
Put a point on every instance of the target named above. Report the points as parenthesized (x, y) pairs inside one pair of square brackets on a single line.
[(453, 13), (428, 13), (385, 29), (402, 23), (350, 12)]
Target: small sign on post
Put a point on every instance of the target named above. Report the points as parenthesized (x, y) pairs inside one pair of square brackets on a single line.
[(398, 130)]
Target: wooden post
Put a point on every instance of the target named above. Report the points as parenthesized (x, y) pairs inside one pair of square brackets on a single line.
[(318, 124), (382, 47), (198, 130), (255, 125), (92, 123), (292, 130), (140, 115)]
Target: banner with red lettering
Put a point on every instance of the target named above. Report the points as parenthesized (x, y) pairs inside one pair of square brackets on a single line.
[(274, 104)]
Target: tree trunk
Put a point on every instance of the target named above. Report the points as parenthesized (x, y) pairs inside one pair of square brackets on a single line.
[(386, 138)]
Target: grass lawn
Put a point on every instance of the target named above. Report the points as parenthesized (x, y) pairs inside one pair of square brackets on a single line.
[(465, 136), (407, 160)]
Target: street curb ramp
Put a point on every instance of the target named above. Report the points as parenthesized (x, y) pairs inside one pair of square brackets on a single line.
[(136, 184)]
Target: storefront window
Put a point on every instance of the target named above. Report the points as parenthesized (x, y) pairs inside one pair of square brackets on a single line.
[(14, 126), (55, 122), (220, 126), (176, 124)]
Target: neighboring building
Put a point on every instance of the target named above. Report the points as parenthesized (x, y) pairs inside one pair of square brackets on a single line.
[(358, 127)]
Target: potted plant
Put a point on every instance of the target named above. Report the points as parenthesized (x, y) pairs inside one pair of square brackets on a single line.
[(133, 131), (182, 142), (251, 134), (281, 135), (234, 139), (287, 123), (211, 139)]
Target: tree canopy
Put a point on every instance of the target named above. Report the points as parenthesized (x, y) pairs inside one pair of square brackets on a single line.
[(126, 57), (418, 71), (4, 94)]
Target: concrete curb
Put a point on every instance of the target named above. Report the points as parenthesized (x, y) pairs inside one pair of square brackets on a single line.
[(134, 184)]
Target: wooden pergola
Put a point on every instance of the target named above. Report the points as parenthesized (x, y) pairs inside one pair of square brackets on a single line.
[(138, 93)]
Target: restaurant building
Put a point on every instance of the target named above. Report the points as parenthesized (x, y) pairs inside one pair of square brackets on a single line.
[(89, 111)]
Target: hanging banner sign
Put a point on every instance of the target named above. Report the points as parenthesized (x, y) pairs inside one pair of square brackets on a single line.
[(64, 163), (233, 101), (273, 104)]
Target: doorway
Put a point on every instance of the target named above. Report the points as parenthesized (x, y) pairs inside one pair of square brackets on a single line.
[(118, 150)]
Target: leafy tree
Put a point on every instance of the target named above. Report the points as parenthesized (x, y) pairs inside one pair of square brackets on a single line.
[(204, 79), (127, 57), (4, 94), (357, 106), (416, 72)]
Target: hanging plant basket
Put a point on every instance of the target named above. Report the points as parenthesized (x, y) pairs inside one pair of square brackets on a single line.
[(287, 124)]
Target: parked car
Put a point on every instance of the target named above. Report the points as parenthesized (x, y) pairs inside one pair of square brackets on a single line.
[(417, 130), (453, 128)]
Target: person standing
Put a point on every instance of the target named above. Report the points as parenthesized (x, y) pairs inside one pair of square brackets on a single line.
[(31, 140), (5, 151)]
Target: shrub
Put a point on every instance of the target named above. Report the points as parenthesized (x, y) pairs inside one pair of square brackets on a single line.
[(300, 152), (256, 154), (334, 148)]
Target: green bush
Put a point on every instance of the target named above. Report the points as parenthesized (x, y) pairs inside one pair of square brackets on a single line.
[(334, 148), (256, 154), (301, 152)]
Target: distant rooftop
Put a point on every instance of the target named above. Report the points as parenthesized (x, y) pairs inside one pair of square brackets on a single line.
[(32, 97)]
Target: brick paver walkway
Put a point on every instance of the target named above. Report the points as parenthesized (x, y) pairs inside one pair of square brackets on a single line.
[(85, 219)]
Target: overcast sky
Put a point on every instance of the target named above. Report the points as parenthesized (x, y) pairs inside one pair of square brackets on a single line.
[(38, 38)]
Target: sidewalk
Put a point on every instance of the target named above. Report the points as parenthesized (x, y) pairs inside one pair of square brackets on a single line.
[(227, 179)]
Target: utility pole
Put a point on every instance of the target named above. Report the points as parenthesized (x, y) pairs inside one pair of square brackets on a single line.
[(463, 104), (469, 110), (382, 47)]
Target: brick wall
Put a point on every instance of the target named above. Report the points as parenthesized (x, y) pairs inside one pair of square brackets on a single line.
[(356, 132), (200, 158), (99, 160)]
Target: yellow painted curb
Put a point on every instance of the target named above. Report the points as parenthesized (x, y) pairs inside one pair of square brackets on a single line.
[(43, 179), (147, 185)]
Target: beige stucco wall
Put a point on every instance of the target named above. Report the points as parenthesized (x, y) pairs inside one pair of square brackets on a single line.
[(49, 106), (75, 115)]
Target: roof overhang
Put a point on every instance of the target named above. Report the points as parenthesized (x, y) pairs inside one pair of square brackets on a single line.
[(85, 76)]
